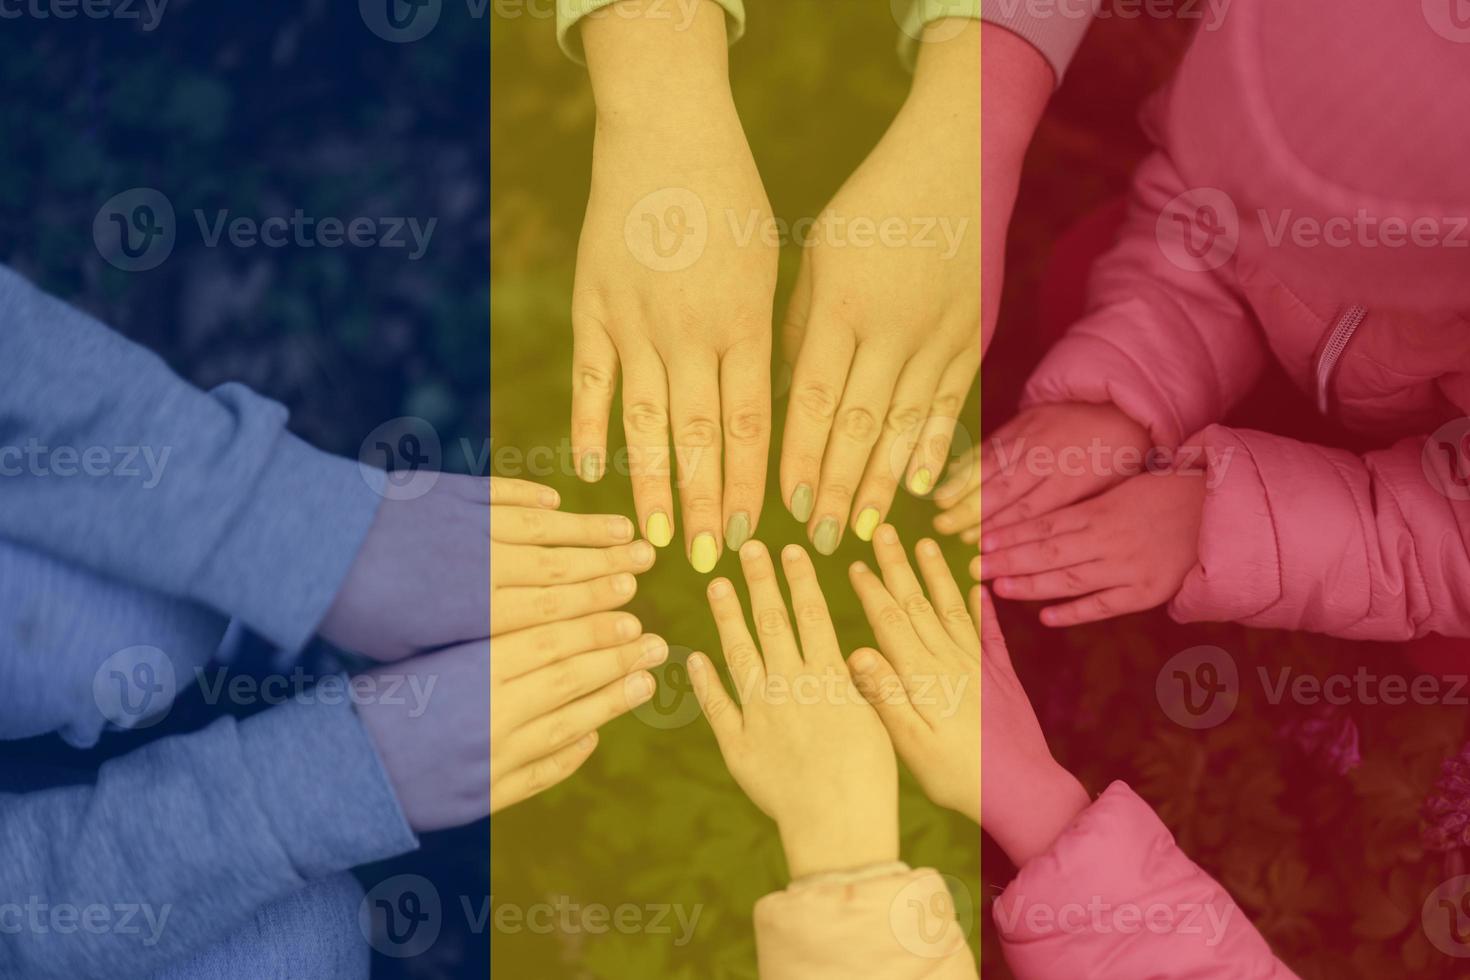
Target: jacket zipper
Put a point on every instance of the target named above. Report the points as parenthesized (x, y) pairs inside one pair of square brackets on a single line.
[(1342, 332)]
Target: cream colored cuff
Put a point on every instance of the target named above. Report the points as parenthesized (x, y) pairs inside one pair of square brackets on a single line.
[(569, 12)]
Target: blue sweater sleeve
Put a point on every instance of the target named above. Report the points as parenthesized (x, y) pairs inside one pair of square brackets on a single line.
[(110, 460), (179, 843)]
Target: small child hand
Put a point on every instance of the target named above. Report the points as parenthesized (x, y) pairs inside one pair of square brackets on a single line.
[(802, 742), (926, 684), (1047, 457), (1124, 551)]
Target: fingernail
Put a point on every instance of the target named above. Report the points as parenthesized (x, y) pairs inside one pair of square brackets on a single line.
[(695, 663), (586, 742), (987, 543), (549, 498), (801, 503), (590, 467), (887, 534), (655, 652), (866, 523), (862, 661), (620, 528), (705, 553), (625, 584), (719, 588), (638, 688), (921, 482), (975, 569), (791, 553), (660, 532), (827, 535), (642, 553), (737, 530), (628, 627)]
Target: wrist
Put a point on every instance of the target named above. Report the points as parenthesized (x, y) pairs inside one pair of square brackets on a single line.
[(646, 62), (1016, 83), (815, 850), (1037, 812)]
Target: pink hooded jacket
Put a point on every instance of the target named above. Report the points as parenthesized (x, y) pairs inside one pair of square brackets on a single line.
[(1308, 201)]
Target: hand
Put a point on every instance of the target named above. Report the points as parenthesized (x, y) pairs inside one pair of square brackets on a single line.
[(1125, 551), (1047, 457), (546, 566), (802, 743), (676, 272), (882, 331), (552, 687), (926, 684), (1028, 799), (421, 579)]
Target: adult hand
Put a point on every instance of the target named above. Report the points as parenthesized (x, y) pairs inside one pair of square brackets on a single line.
[(676, 271), (926, 682), (802, 742), (1125, 551), (882, 330)]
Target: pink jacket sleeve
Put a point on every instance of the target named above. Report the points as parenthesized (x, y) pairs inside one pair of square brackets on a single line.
[(1301, 537), (1115, 899), (1167, 340), (896, 926)]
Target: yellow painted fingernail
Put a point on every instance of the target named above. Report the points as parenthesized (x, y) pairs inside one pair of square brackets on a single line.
[(801, 503), (866, 523), (660, 532), (921, 482), (705, 553), (737, 530), (827, 536)]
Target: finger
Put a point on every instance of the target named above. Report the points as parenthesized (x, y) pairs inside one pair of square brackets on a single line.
[(975, 568), (514, 654), (646, 427), (518, 607), (1060, 584), (1094, 608), (745, 397), (524, 564), (594, 377), (1050, 554), (895, 445), (816, 387), (932, 448), (1046, 497), (562, 682), (875, 679), (522, 493), (896, 636), (522, 525), (768, 611), (526, 781), (944, 593), (742, 656), (724, 715), (855, 430), (964, 515), (695, 398), (903, 585), (819, 643), (1069, 520), (963, 477), (570, 722)]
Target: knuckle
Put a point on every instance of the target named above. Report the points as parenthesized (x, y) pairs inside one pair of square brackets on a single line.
[(858, 423), (594, 380), (745, 425), (904, 418), (811, 614), (699, 432), (917, 605), (645, 417), (558, 733), (817, 399), (948, 406), (1072, 579), (771, 622), (742, 657), (956, 611), (837, 491), (548, 604), (552, 565), (1102, 605), (892, 617)]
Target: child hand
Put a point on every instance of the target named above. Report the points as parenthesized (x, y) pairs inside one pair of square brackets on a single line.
[(547, 566), (1047, 457), (1124, 551), (882, 339), (676, 274), (552, 687), (802, 742), (926, 684)]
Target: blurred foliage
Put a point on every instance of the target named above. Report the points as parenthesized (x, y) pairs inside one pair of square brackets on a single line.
[(654, 818)]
